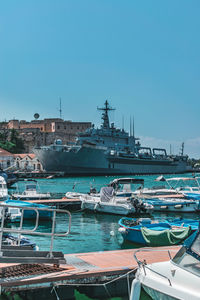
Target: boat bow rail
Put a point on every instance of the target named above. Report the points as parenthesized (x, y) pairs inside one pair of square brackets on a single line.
[(13, 254), (144, 265)]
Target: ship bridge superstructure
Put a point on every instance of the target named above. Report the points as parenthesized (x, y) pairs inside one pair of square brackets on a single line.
[(108, 135)]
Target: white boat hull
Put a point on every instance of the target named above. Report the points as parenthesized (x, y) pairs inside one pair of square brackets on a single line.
[(108, 208), (166, 281)]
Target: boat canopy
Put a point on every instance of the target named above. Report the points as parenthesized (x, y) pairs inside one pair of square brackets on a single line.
[(160, 178), (127, 180), (106, 193), (181, 178)]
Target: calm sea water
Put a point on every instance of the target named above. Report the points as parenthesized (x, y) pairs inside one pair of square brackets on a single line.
[(89, 232)]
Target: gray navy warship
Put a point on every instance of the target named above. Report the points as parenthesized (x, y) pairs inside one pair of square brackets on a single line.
[(108, 151)]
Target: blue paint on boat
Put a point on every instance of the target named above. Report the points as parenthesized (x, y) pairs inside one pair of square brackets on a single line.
[(130, 228), (192, 196), (31, 214)]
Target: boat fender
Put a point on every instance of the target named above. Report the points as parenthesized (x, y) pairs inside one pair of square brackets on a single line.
[(135, 290), (178, 206), (122, 230), (82, 205), (164, 207)]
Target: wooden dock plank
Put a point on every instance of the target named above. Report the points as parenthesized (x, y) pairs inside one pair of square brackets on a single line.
[(64, 200)]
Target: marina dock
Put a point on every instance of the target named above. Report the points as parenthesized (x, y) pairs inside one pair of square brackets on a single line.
[(97, 273)]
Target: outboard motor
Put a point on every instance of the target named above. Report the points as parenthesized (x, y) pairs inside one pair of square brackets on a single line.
[(93, 190), (138, 205)]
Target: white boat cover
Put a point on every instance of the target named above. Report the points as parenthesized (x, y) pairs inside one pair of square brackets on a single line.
[(106, 193)]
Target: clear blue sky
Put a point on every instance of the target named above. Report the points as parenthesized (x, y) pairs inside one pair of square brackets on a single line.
[(143, 56)]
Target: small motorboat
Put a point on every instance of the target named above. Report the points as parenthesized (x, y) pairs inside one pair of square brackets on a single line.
[(174, 205), (155, 232), (108, 202), (14, 213), (167, 189), (31, 192), (177, 278), (11, 240)]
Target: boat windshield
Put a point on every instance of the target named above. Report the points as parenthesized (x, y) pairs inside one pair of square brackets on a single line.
[(196, 246), (14, 211), (31, 187), (189, 258)]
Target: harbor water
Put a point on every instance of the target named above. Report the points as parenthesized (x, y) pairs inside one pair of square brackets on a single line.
[(90, 232)]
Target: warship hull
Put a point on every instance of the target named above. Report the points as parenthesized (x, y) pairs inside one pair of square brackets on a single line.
[(96, 161)]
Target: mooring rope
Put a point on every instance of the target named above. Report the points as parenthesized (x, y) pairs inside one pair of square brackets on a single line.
[(104, 285), (54, 289)]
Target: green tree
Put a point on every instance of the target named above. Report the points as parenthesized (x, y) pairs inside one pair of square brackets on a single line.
[(12, 143), (16, 141)]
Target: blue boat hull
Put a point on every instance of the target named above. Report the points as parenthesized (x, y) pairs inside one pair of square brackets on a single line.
[(30, 214), (134, 234)]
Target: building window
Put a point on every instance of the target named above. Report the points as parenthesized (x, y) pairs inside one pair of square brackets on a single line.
[(58, 127), (65, 127)]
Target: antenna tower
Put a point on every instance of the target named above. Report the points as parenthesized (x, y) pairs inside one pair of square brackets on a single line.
[(60, 109), (105, 117), (133, 128)]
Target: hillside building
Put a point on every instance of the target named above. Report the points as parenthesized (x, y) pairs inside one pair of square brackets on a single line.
[(45, 132), (6, 159)]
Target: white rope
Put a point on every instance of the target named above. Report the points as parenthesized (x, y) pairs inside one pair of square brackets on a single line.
[(54, 289), (98, 284), (106, 289), (128, 284)]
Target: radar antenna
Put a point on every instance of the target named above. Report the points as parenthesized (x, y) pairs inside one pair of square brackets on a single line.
[(105, 117)]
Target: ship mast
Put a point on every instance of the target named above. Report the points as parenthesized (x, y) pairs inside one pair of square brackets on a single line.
[(182, 149), (105, 117), (60, 110)]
